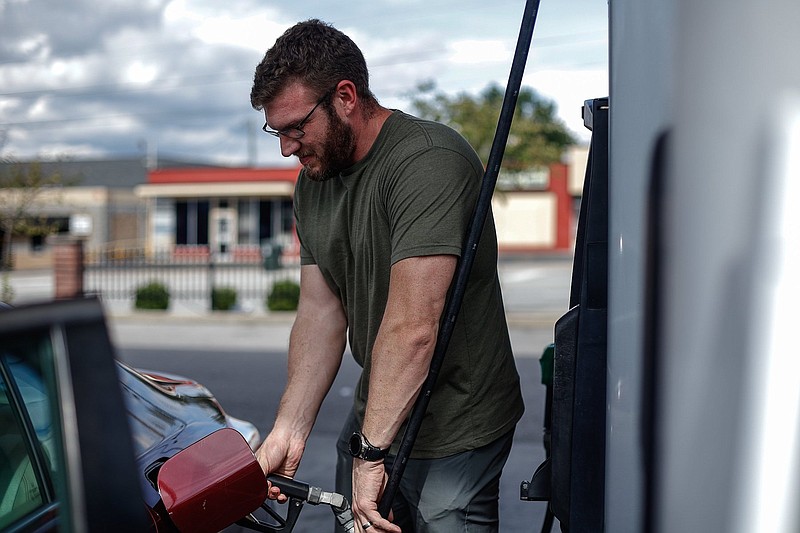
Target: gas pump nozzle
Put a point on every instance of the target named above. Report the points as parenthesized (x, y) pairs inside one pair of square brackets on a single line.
[(303, 492), (299, 493)]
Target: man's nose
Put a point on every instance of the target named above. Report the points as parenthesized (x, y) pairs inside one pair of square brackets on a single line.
[(288, 145)]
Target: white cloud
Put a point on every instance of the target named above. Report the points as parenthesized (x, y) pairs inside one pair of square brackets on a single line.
[(218, 24), (475, 51), (569, 89), (34, 45), (140, 73), (38, 110)]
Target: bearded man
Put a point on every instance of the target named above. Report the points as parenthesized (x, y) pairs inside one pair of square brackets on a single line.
[(381, 209)]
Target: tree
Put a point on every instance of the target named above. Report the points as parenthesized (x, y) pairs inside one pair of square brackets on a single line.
[(537, 137), (21, 185)]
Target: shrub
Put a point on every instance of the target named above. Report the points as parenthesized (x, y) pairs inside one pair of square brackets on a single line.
[(223, 298), (283, 296), (154, 295)]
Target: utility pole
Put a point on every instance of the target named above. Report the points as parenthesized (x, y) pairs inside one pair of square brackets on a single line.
[(252, 146)]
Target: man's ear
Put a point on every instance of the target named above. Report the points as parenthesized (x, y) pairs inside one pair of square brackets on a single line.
[(345, 97)]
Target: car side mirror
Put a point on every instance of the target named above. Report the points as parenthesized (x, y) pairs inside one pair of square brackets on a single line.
[(212, 483)]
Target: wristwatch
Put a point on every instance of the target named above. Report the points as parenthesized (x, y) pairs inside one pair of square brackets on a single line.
[(360, 447)]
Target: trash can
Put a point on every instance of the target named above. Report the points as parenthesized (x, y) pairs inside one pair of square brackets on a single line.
[(271, 253)]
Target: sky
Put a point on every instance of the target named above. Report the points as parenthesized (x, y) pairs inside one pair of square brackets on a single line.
[(82, 79)]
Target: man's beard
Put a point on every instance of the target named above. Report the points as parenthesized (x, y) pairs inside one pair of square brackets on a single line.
[(336, 153)]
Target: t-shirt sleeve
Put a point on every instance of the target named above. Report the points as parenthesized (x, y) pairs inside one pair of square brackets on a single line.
[(429, 203), (306, 257)]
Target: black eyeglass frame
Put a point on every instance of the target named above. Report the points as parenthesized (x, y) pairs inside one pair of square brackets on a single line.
[(296, 131)]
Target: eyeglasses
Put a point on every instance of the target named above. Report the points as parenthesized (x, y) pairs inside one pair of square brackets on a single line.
[(296, 131)]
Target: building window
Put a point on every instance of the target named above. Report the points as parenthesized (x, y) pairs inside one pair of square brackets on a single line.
[(37, 243), (287, 216), (248, 221), (275, 219), (191, 222), (265, 220)]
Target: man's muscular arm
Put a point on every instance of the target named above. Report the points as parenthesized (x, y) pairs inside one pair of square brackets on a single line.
[(404, 347), (401, 359)]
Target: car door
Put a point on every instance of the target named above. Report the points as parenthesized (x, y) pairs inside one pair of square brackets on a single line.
[(66, 458)]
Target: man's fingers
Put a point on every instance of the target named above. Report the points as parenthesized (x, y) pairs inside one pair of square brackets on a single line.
[(378, 524)]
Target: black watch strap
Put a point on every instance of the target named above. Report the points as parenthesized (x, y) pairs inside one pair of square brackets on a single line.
[(360, 447)]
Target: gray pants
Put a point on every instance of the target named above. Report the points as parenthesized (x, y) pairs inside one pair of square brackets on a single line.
[(458, 493)]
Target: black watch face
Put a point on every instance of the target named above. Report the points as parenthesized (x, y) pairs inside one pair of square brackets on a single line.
[(355, 444)]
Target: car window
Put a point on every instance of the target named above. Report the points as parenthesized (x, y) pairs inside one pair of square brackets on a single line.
[(20, 492), (29, 360), (27, 442), (76, 470)]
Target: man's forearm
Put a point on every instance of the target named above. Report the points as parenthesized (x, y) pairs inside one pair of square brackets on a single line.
[(314, 360), (405, 343), (400, 364), (316, 346)]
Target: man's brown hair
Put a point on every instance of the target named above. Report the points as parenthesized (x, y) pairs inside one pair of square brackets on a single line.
[(315, 54)]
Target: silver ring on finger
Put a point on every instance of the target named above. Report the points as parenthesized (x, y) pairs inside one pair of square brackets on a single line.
[(366, 526)]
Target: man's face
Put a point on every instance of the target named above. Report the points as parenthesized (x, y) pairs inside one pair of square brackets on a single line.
[(327, 143)]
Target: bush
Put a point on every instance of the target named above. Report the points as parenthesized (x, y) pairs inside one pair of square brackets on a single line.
[(283, 296), (154, 295), (223, 298)]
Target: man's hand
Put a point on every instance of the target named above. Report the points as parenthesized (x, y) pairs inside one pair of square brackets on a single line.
[(279, 454), (369, 479)]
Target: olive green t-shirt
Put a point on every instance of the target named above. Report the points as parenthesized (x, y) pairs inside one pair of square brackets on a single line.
[(414, 195)]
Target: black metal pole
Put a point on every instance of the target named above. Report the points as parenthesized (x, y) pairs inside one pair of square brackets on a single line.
[(468, 254)]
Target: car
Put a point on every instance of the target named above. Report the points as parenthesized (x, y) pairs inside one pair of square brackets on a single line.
[(83, 434), (167, 413)]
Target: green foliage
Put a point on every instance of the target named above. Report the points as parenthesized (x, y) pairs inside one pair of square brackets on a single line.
[(537, 137), (21, 187), (284, 296), (154, 295), (223, 298)]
